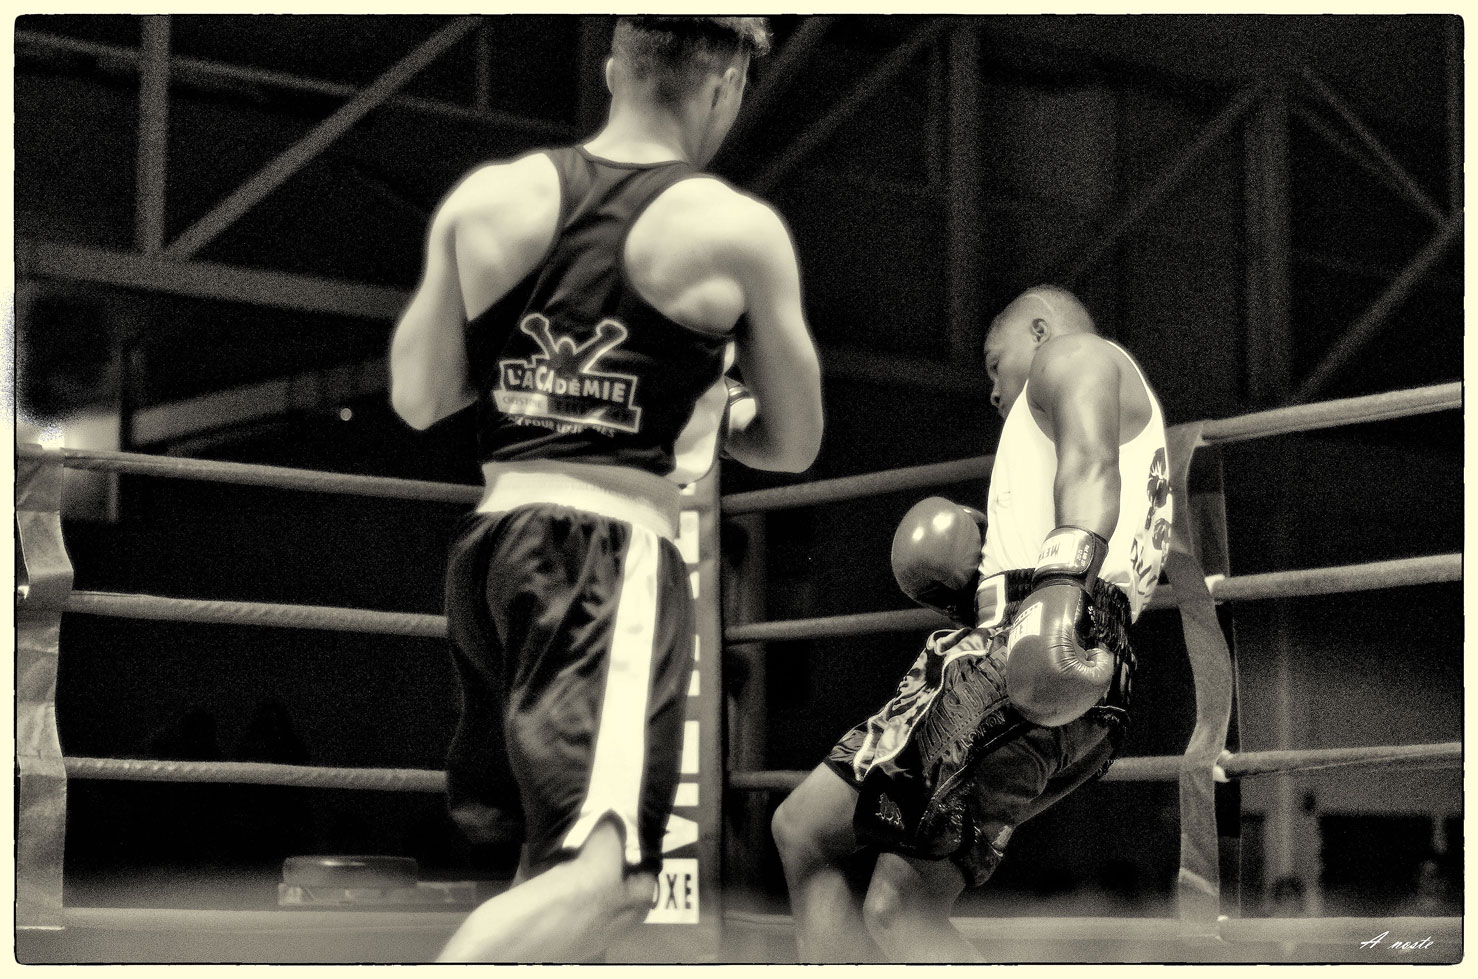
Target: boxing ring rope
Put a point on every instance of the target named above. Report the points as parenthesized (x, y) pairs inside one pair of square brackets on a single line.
[(1246, 764), (1261, 424), (248, 474), (43, 595), (216, 612), (1426, 570), (258, 773), (1431, 569)]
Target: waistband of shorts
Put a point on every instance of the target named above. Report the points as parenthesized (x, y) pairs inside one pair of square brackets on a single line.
[(996, 597), (639, 498)]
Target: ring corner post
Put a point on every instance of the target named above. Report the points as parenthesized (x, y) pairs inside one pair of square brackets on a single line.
[(685, 921), (1207, 497), (45, 581), (1199, 885)]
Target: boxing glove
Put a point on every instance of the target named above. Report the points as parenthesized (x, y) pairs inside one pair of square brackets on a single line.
[(739, 409), (1052, 677), (738, 413), (936, 556)]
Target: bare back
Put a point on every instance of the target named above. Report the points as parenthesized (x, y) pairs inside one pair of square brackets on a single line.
[(701, 254), (679, 255)]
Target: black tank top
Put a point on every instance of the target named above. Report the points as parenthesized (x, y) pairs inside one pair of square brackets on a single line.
[(572, 364)]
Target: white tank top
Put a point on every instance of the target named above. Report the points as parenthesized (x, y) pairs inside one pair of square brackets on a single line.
[(1020, 510)]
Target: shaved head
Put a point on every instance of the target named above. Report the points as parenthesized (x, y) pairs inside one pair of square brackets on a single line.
[(1034, 317), (1061, 309)]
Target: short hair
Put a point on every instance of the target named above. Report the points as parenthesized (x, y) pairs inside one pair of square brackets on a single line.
[(676, 52), (1067, 309)]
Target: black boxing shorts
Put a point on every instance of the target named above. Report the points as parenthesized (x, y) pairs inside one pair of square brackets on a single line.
[(947, 769), (573, 644)]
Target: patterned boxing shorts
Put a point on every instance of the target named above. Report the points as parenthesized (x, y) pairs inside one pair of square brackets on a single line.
[(948, 769)]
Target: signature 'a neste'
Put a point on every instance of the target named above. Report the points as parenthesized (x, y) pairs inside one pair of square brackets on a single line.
[(1378, 940)]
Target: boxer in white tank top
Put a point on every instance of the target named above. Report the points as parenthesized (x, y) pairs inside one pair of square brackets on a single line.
[(1021, 507), (999, 720)]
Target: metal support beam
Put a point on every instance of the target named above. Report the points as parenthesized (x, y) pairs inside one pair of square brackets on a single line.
[(311, 391), (1365, 270), (200, 71), (1269, 252), (153, 134), (1269, 377), (280, 290), (1413, 190), (1373, 318), (331, 387), (779, 73), (1356, 154), (964, 217), (210, 280), (1454, 105), (591, 94), (936, 119), (746, 824), (1227, 120), (482, 95), (919, 373), (867, 89), (295, 157)]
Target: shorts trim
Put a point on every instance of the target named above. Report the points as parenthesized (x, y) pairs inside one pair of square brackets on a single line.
[(621, 740), (616, 492)]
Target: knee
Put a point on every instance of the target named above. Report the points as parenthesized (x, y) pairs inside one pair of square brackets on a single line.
[(785, 826), (794, 831), (602, 880), (617, 899), (897, 911), (884, 911), (630, 900)]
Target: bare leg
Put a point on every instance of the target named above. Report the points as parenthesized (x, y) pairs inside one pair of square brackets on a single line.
[(907, 910), (569, 913), (813, 831)]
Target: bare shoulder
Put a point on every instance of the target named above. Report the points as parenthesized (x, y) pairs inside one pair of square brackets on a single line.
[(1072, 354), (1085, 365), (503, 190), (705, 211)]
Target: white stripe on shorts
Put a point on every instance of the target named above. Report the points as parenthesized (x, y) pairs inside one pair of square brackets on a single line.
[(621, 740)]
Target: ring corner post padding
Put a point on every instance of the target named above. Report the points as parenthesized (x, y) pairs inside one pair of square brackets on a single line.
[(683, 925), (46, 580), (1206, 486), (1199, 882)]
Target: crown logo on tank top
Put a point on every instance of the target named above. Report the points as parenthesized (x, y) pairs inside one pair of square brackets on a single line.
[(560, 388)]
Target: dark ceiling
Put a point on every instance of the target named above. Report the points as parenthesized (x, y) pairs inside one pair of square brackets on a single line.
[(1078, 116)]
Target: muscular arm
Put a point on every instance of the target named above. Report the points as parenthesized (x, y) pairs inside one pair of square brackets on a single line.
[(775, 351), (484, 238), (428, 354), (1074, 384)]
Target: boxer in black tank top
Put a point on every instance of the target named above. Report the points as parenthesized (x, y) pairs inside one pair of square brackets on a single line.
[(587, 300)]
